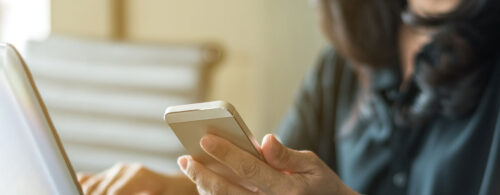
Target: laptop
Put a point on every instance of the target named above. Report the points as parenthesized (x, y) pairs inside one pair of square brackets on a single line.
[(32, 159)]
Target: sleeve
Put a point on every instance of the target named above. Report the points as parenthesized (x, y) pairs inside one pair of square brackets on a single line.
[(490, 183), (304, 125)]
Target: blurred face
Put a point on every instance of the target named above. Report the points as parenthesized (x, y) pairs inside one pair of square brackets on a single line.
[(411, 41), (325, 8), (341, 26)]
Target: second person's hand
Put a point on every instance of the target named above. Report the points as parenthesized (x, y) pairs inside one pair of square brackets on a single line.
[(134, 179)]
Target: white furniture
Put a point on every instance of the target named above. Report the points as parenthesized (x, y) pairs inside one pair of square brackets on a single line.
[(107, 99)]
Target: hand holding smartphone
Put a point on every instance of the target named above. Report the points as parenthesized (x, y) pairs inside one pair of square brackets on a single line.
[(191, 122)]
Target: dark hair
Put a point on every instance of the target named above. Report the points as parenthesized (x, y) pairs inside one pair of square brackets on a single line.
[(364, 30), (451, 71)]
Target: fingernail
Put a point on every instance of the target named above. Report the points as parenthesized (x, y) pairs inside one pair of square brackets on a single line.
[(276, 146), (276, 139), (266, 138), (182, 161), (208, 144)]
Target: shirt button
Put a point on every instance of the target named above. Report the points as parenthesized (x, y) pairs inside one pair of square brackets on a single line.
[(399, 179)]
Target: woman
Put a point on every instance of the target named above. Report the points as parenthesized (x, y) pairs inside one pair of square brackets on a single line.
[(408, 103)]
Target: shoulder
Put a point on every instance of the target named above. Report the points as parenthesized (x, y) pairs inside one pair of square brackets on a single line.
[(310, 120), (328, 71), (330, 61), (329, 90)]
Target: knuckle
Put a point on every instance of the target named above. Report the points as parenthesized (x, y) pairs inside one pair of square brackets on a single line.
[(193, 171), (309, 153), (138, 166), (310, 156), (314, 161), (138, 169), (221, 152), (115, 169), (248, 169), (119, 165), (82, 177)]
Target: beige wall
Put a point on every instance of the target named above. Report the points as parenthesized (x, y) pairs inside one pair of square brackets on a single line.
[(87, 18), (269, 44)]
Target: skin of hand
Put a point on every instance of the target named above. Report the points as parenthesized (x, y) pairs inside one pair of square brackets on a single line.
[(134, 179), (285, 171)]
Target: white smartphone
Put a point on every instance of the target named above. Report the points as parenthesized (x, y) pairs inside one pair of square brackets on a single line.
[(192, 121)]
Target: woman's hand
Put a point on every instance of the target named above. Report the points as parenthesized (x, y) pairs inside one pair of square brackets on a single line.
[(134, 179), (287, 171)]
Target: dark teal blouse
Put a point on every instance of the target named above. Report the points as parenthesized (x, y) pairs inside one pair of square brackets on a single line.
[(358, 140)]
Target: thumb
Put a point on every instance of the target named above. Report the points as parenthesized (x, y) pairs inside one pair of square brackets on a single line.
[(286, 159)]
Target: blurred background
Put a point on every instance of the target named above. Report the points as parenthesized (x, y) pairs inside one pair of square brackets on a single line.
[(108, 68)]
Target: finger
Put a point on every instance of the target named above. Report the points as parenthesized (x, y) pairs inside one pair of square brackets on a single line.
[(244, 164), (91, 184), (134, 181), (82, 177), (110, 177), (286, 159), (207, 181)]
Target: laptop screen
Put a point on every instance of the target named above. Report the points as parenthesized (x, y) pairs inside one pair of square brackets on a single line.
[(32, 158)]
